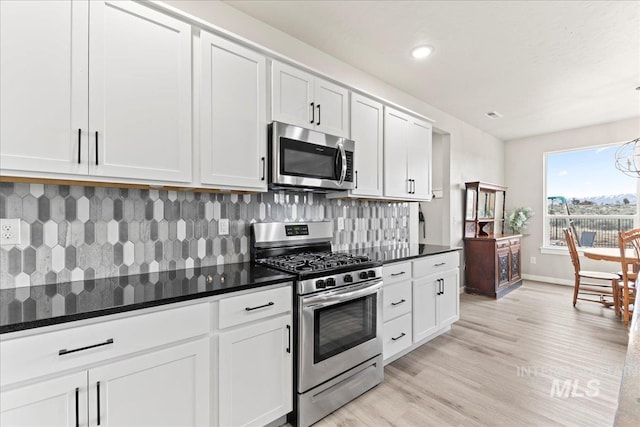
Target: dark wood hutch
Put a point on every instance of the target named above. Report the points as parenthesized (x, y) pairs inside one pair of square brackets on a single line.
[(492, 258)]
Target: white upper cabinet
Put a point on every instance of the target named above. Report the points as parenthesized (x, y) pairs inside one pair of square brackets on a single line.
[(366, 131), (301, 99), (139, 93), (233, 121), (95, 89), (407, 156), (43, 86)]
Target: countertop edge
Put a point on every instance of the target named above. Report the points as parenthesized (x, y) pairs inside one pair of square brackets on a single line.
[(410, 257)]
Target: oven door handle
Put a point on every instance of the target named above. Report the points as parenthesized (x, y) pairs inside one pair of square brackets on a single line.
[(321, 301)]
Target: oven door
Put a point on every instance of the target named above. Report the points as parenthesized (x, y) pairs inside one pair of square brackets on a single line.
[(339, 329), (305, 158)]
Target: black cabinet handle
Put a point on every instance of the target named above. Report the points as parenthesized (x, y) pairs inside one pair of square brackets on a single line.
[(398, 274), (270, 303), (440, 264), (399, 302), (96, 148), (98, 406), (313, 112), (356, 179), (77, 408), (398, 337), (264, 164), (79, 144), (289, 342), (318, 114), (65, 351)]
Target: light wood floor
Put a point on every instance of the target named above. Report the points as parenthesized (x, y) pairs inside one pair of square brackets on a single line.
[(470, 376)]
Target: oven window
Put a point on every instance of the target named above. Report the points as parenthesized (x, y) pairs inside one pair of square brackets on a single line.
[(305, 159), (342, 326)]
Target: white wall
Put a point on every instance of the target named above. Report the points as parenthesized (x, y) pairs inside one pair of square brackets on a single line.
[(524, 176), (475, 155)]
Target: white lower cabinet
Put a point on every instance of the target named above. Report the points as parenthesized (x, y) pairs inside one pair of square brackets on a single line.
[(153, 370), (167, 387), (253, 380), (56, 403), (421, 301)]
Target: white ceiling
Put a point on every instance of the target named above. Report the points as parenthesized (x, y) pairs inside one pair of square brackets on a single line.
[(544, 65)]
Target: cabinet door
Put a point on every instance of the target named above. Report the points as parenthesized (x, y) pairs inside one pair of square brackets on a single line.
[(419, 158), (514, 263), (425, 320), (292, 96), (43, 86), (233, 128), (168, 387), (332, 108), (139, 93), (255, 373), (61, 402), (396, 132), (502, 265), (366, 131), (449, 299)]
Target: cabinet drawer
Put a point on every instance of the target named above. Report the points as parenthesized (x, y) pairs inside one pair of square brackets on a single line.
[(254, 306), (396, 272), (397, 335), (435, 264), (397, 300), (39, 354)]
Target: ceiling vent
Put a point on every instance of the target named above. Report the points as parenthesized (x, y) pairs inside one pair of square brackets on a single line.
[(493, 115)]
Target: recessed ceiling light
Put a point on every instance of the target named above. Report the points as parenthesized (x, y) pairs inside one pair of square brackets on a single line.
[(421, 52), (493, 115)]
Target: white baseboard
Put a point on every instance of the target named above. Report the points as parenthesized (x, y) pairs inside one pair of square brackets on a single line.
[(546, 279)]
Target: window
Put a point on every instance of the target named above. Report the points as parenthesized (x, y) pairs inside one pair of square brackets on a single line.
[(586, 193)]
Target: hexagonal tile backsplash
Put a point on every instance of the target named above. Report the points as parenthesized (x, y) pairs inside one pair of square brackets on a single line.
[(76, 232)]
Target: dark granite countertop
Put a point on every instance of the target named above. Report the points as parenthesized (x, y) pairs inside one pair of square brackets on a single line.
[(390, 254), (44, 305), (628, 413)]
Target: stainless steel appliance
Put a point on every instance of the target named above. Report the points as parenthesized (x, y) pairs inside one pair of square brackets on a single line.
[(338, 315), (308, 159)]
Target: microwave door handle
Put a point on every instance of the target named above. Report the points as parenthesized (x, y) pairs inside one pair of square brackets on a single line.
[(343, 163)]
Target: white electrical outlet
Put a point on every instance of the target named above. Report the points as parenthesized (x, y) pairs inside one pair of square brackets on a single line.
[(9, 231), (340, 223), (532, 260), (223, 227)]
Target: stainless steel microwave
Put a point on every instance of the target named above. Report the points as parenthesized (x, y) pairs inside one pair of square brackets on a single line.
[(310, 160)]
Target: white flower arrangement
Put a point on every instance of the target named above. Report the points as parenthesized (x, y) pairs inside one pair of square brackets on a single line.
[(518, 219)]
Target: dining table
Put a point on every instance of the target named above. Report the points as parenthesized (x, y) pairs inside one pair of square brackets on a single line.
[(607, 254)]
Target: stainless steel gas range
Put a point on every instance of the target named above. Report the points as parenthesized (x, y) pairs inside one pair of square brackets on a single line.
[(338, 315)]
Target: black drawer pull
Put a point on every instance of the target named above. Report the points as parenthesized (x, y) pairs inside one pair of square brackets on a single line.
[(79, 144), (65, 351), (270, 303), (399, 302), (77, 408), (98, 401), (440, 264), (398, 337), (96, 148), (289, 341), (398, 274)]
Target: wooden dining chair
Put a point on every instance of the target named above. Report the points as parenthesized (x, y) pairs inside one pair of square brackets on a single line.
[(630, 267), (603, 291)]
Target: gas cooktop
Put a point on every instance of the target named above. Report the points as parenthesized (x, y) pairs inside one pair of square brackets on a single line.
[(314, 261)]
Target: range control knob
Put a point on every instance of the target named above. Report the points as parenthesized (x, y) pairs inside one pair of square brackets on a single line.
[(371, 273), (363, 275), (320, 284), (331, 282), (348, 278)]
